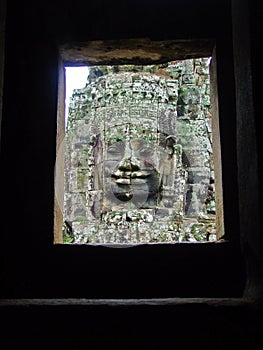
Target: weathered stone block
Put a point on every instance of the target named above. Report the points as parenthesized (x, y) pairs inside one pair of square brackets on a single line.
[(192, 111), (75, 207), (189, 95), (202, 70), (189, 79)]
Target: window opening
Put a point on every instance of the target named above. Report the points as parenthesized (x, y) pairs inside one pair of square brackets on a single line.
[(76, 78), (138, 156)]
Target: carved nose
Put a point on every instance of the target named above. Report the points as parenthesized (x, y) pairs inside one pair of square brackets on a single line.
[(131, 164)]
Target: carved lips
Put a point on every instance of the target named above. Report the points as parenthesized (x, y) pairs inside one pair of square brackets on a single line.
[(129, 177), (127, 183)]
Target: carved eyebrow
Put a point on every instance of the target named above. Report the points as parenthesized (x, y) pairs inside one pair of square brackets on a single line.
[(113, 148), (116, 147), (146, 149)]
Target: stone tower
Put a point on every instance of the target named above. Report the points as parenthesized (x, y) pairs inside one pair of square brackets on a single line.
[(138, 158)]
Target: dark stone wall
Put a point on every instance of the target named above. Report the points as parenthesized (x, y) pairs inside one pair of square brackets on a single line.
[(31, 267)]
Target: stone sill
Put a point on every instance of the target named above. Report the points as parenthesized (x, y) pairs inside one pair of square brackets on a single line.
[(127, 302)]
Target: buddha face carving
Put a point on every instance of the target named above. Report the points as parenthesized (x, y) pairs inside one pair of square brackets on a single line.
[(130, 173)]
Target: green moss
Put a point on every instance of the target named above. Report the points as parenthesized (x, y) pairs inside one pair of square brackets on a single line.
[(81, 176), (178, 149), (199, 231), (119, 138), (68, 239), (183, 89), (67, 233)]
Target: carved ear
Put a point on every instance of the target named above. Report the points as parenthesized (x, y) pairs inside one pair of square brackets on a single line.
[(169, 144)]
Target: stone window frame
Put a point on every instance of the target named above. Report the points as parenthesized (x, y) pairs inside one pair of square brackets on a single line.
[(185, 270), (135, 51)]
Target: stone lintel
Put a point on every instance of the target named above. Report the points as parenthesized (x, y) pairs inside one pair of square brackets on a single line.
[(134, 51)]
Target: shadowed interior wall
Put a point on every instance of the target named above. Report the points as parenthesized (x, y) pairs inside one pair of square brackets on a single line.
[(32, 267)]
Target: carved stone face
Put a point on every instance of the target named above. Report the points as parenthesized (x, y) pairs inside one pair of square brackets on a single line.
[(134, 162), (130, 173)]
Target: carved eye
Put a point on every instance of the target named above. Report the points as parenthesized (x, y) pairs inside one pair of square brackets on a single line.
[(113, 149), (146, 151), (116, 149)]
